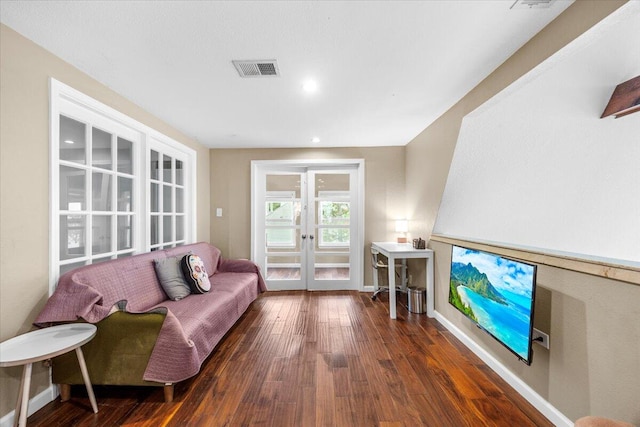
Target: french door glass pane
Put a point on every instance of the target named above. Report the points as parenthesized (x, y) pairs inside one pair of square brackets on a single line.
[(125, 194), (101, 234), (332, 267), (73, 142), (125, 232), (72, 236), (333, 218), (334, 213), (166, 168), (166, 198), (154, 167), (179, 172), (290, 182), (284, 268), (101, 149), (155, 197), (334, 236), (281, 238), (72, 189), (125, 156), (101, 192), (282, 221), (331, 182), (167, 229)]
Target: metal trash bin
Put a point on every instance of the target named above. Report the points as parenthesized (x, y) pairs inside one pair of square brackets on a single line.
[(416, 298)]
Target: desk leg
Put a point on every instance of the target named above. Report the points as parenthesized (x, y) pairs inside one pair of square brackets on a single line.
[(22, 406), (392, 287), (430, 288), (87, 381), (376, 285)]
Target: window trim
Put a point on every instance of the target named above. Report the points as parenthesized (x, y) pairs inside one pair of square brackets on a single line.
[(62, 100)]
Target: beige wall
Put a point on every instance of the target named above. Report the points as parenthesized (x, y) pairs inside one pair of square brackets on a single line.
[(25, 69), (594, 362), (590, 369), (231, 191)]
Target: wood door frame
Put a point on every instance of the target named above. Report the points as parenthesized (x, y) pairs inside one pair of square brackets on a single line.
[(260, 166)]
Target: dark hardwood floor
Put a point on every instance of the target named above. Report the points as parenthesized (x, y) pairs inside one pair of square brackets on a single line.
[(318, 359)]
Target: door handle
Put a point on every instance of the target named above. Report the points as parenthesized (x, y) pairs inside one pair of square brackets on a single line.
[(311, 236), (304, 236)]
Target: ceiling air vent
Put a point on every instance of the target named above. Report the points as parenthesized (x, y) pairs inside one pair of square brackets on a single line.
[(532, 4), (257, 68)]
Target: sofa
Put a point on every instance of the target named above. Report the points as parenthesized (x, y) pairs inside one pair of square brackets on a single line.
[(144, 338)]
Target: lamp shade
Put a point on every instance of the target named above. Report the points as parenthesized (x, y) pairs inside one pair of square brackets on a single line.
[(401, 226)]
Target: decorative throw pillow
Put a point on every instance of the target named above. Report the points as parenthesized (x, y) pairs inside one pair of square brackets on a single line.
[(195, 274), (171, 278)]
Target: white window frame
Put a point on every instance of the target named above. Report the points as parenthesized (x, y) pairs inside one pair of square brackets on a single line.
[(64, 100)]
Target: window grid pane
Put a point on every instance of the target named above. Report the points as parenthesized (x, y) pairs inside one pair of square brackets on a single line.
[(93, 238), (101, 149), (73, 182), (168, 224), (72, 236), (97, 178), (125, 156), (101, 192), (73, 140)]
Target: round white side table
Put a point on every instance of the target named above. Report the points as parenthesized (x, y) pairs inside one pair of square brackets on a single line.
[(44, 344)]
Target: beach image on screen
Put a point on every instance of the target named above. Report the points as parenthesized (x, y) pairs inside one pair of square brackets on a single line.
[(495, 292)]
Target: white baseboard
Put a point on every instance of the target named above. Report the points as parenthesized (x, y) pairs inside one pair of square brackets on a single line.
[(542, 405), (35, 403)]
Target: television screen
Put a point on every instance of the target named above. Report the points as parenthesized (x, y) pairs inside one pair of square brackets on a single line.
[(496, 293)]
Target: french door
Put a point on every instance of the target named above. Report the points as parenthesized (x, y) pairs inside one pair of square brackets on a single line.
[(307, 225)]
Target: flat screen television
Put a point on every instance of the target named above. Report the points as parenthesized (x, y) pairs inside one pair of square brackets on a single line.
[(496, 293)]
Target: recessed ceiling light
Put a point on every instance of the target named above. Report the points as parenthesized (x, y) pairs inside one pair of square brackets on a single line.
[(68, 141), (310, 86), (315, 139)]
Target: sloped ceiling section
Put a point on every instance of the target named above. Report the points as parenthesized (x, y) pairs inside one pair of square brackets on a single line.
[(384, 69), (536, 166)]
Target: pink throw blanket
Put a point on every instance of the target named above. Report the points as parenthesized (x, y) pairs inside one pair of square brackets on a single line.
[(130, 284)]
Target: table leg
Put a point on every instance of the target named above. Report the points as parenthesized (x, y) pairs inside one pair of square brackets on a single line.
[(376, 285), (392, 287), (87, 381), (22, 406), (430, 288)]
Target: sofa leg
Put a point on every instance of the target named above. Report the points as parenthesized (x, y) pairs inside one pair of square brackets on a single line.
[(168, 393), (65, 392)]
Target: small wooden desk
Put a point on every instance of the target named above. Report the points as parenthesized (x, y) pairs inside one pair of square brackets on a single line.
[(44, 344), (395, 251)]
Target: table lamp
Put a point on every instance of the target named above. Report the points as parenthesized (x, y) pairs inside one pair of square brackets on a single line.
[(402, 227)]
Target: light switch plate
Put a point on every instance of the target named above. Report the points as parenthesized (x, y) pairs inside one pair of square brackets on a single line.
[(218, 212)]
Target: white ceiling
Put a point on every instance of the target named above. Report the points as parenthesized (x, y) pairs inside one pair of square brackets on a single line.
[(385, 69)]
